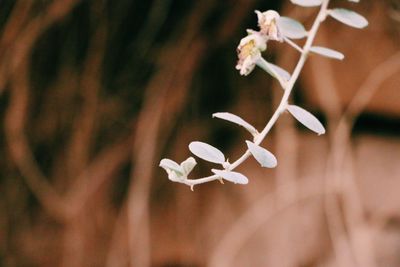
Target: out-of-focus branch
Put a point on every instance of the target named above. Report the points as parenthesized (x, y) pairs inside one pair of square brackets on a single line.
[(15, 23), (327, 94), (185, 57), (13, 26), (366, 91), (117, 254), (18, 108), (233, 19), (21, 152), (154, 22), (256, 216), (177, 64), (85, 124), (359, 230), (286, 173), (22, 44), (103, 166), (360, 236)]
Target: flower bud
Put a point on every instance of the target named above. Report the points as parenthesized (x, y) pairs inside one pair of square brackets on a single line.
[(267, 21)]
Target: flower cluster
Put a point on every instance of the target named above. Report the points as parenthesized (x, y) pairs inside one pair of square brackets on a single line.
[(251, 46)]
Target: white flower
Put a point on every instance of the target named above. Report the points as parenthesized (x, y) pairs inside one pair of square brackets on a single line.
[(267, 21), (249, 51)]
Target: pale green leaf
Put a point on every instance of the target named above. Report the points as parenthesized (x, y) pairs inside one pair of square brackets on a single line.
[(307, 119), (188, 165), (307, 3), (349, 17), (207, 152), (291, 28), (263, 156), (273, 70), (168, 164), (235, 119), (327, 52), (234, 177), (282, 72)]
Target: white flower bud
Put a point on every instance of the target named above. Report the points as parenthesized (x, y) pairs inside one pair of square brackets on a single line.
[(267, 21)]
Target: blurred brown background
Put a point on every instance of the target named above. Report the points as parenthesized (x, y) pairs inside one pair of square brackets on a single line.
[(94, 93)]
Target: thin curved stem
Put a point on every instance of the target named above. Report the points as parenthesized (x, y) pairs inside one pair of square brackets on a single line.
[(293, 44), (284, 101)]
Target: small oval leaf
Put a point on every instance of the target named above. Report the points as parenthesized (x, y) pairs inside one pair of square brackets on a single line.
[(237, 120), (188, 165), (282, 72), (207, 152), (307, 3), (270, 69), (349, 17), (291, 28), (263, 156), (234, 177), (327, 52), (307, 119), (168, 164)]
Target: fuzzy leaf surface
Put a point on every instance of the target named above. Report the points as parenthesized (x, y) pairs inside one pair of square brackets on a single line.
[(207, 152), (307, 3), (271, 69), (235, 119), (349, 17), (188, 165), (307, 119), (291, 28), (282, 72), (234, 177), (263, 156), (171, 165), (327, 52)]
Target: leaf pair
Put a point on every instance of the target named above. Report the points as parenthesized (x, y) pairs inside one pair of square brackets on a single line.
[(343, 15), (313, 3), (348, 17), (295, 30), (302, 115), (212, 154), (263, 156), (177, 172)]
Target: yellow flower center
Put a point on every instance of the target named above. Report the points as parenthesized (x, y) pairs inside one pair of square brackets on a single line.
[(247, 49)]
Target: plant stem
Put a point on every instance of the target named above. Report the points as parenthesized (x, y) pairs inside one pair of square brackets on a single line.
[(293, 44), (284, 101)]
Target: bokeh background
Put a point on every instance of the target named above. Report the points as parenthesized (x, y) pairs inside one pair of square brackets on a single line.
[(94, 93)]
